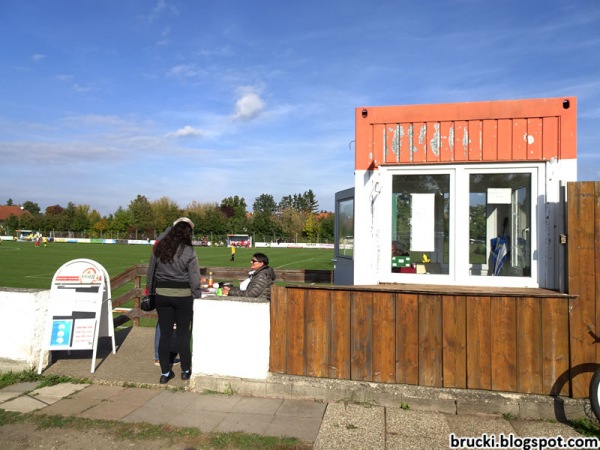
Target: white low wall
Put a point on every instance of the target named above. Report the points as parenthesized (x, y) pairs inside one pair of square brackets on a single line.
[(23, 313), (231, 338)]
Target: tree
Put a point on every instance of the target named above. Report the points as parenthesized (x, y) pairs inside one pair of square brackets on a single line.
[(9, 202), (33, 208), (264, 203), (210, 222), (291, 223), (234, 209), (67, 217), (101, 226), (121, 221), (327, 226), (310, 201), (55, 210), (165, 212), (80, 218), (143, 216)]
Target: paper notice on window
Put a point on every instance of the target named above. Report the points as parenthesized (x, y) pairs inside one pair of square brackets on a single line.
[(422, 223), (499, 196)]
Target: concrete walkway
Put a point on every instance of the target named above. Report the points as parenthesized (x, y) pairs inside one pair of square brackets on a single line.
[(125, 387)]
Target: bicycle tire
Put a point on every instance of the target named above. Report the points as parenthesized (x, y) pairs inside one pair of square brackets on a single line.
[(595, 394)]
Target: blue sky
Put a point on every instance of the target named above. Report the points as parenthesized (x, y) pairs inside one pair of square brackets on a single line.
[(200, 100)]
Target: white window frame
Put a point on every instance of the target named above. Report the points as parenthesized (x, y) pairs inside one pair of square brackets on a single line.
[(459, 224)]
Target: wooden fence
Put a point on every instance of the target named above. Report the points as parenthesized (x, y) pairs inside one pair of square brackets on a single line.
[(516, 340)]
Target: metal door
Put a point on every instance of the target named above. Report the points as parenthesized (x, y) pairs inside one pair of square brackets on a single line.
[(343, 269)]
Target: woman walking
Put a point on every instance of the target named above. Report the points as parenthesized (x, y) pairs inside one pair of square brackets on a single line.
[(177, 275)]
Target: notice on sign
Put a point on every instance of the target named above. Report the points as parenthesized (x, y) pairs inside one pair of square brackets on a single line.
[(61, 333), (83, 333)]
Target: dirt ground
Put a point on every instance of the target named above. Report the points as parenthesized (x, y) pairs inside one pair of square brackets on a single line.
[(27, 436)]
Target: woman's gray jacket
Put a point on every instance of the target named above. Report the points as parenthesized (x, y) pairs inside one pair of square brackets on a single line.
[(183, 269)]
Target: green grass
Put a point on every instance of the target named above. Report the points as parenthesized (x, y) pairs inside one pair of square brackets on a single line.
[(586, 427), (22, 265), (9, 378), (129, 433)]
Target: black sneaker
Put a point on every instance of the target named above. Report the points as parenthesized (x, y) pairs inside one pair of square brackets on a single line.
[(164, 379), (186, 374)]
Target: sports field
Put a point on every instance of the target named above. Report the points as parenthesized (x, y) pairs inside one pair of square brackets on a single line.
[(23, 265)]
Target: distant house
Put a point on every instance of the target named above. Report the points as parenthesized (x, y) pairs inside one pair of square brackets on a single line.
[(7, 211)]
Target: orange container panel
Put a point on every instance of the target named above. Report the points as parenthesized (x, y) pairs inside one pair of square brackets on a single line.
[(497, 131)]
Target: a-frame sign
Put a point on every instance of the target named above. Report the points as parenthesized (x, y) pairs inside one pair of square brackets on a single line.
[(80, 309)]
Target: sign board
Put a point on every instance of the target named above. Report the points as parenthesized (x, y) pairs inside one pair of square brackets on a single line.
[(80, 309)]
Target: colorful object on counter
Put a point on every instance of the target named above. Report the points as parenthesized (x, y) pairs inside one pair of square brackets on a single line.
[(401, 261)]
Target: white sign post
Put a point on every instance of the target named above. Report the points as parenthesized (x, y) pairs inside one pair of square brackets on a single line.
[(80, 309)]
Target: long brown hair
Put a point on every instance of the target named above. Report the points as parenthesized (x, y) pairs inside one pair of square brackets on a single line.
[(175, 241)]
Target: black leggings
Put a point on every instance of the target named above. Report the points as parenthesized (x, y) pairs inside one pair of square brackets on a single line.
[(174, 310)]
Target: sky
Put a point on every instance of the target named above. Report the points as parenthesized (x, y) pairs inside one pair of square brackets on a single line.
[(197, 101)]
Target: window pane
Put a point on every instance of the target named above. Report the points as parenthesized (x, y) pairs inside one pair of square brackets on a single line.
[(345, 232), (500, 224), (420, 223)]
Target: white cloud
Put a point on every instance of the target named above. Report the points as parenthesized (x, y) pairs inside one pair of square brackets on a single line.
[(185, 132), (38, 57), (185, 71), (248, 107)]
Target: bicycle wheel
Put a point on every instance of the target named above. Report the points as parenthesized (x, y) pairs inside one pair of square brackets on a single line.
[(595, 393)]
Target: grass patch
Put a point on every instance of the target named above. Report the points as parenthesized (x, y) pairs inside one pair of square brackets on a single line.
[(29, 267), (189, 437), (508, 416), (586, 427), (26, 376)]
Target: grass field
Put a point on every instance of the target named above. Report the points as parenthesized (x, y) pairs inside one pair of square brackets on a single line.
[(22, 265)]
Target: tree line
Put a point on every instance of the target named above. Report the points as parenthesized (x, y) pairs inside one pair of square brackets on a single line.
[(295, 217)]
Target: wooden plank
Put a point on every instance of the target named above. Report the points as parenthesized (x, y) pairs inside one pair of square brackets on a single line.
[(555, 352), (361, 343), (529, 346), (278, 338), (295, 320), (479, 362), (596, 281), (384, 337), (317, 325), (430, 340), (504, 343), (582, 280), (339, 364), (454, 341), (407, 339)]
